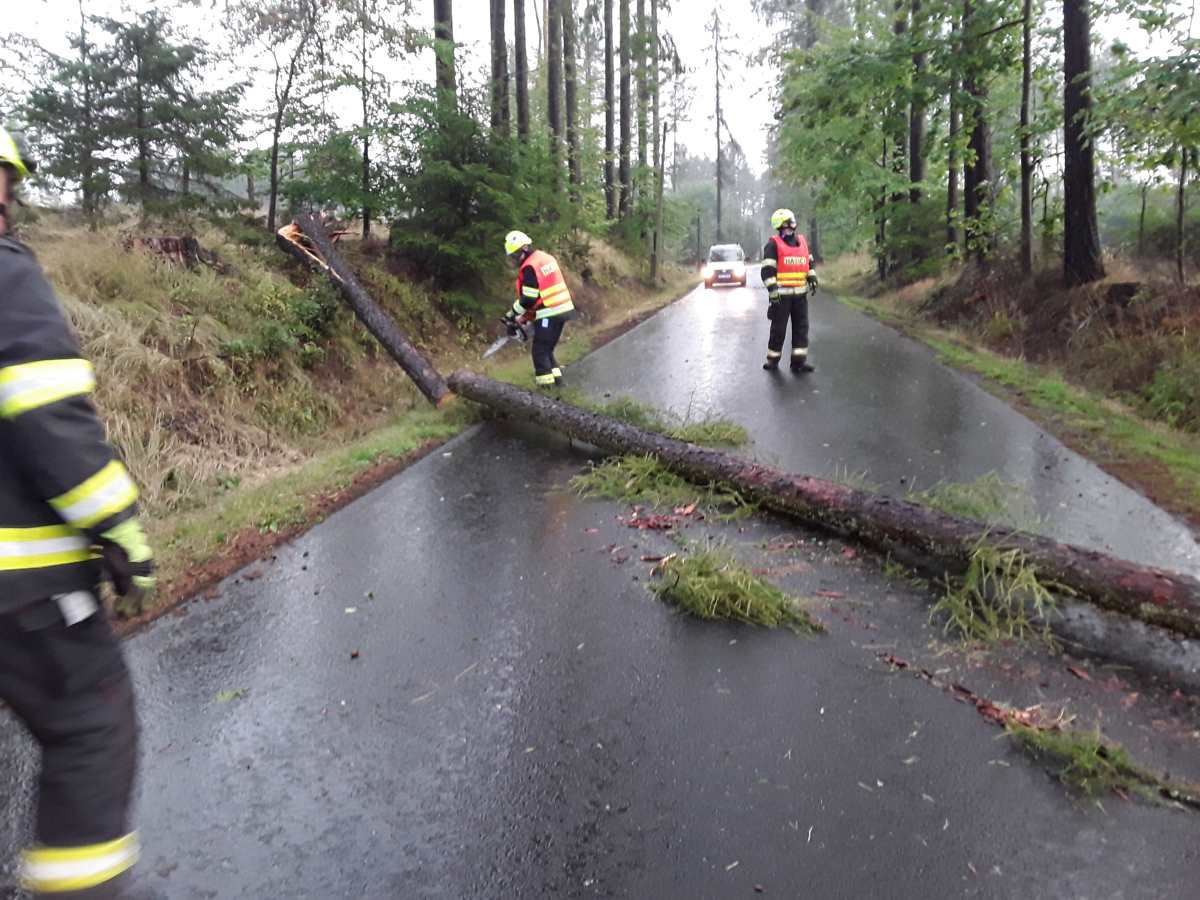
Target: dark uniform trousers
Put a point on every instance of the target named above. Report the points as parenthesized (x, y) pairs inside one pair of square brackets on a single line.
[(546, 333), (792, 308), (71, 688)]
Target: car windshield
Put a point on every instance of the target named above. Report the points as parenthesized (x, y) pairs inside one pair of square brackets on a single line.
[(725, 254)]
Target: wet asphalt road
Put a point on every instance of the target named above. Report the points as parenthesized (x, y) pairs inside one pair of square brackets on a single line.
[(525, 720)]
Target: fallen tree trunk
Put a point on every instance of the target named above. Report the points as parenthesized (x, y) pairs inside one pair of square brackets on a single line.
[(317, 252), (1153, 595)]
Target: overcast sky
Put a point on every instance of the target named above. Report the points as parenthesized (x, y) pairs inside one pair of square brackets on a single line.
[(746, 98)]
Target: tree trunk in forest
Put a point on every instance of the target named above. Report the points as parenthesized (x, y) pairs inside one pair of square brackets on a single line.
[(1142, 223), (554, 60), (952, 149), (1026, 160), (933, 539), (977, 173), (900, 123), (641, 46), (610, 118), (364, 91), (1180, 212), (521, 55), (626, 189), (657, 248), (717, 70), (812, 10), (655, 75), (571, 98), (443, 34), (318, 253), (916, 119), (500, 112), (1082, 258)]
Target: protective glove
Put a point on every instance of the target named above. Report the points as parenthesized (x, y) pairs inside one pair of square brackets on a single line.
[(772, 297), (127, 558), (525, 318), (813, 284)]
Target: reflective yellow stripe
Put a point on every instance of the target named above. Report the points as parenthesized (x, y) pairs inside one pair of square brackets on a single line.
[(530, 292), (41, 547), (554, 290), (792, 279), (519, 309), (102, 496), (563, 306), (543, 379), (769, 281), (35, 384), (55, 870)]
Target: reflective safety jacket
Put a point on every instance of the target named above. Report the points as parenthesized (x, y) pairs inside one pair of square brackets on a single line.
[(541, 288), (786, 266), (61, 485)]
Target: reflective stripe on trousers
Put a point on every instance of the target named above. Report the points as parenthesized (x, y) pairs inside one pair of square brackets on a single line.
[(56, 870)]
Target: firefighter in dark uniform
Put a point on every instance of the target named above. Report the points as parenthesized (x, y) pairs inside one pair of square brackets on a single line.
[(67, 520), (543, 300), (787, 274)]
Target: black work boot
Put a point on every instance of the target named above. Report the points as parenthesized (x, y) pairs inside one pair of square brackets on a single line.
[(800, 364), (772, 364)]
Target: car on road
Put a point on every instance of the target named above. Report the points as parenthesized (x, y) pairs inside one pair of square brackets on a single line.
[(726, 265)]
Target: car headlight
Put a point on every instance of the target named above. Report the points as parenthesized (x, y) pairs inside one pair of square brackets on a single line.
[(739, 269), (707, 271)]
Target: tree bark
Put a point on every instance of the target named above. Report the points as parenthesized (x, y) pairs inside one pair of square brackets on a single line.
[(319, 254), (364, 92), (554, 83), (656, 122), (1180, 212), (443, 33), (571, 97), (1142, 223), (500, 111), (977, 174), (522, 75), (1082, 258), (643, 87), (1026, 160), (657, 249), (916, 118), (610, 187), (940, 541), (952, 174), (626, 190), (717, 77)]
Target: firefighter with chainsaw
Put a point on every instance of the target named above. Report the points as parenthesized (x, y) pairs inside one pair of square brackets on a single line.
[(787, 274), (67, 520), (543, 302)]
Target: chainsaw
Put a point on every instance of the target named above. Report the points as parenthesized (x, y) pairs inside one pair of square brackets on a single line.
[(516, 332)]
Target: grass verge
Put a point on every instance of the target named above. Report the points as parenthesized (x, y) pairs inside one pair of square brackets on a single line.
[(1001, 597), (643, 479), (1088, 763), (710, 584)]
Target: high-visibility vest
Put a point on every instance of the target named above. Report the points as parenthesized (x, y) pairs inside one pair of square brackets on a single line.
[(792, 265), (553, 298)]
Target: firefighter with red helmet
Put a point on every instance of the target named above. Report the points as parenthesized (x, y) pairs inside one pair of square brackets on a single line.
[(543, 300), (787, 274), (67, 519)]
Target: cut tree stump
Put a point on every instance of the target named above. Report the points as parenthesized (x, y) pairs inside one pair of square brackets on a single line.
[(1156, 596), (308, 241)]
